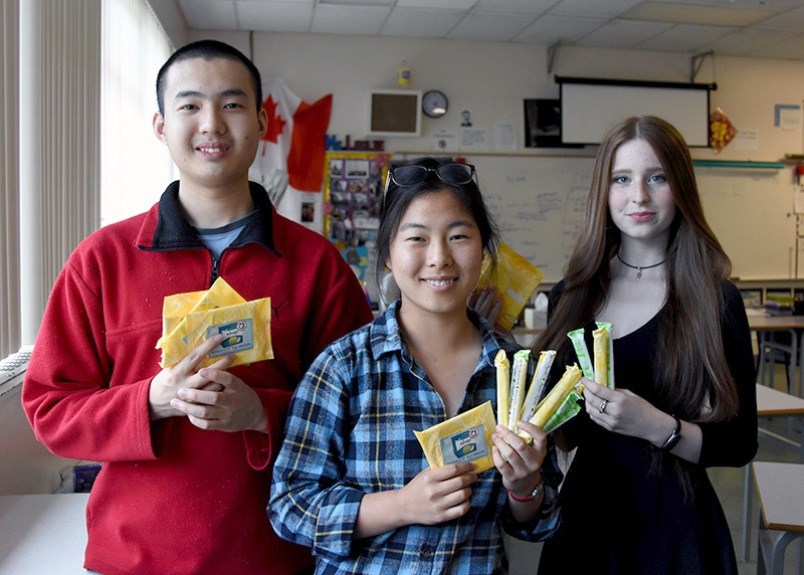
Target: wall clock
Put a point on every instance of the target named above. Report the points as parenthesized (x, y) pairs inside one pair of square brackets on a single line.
[(434, 103)]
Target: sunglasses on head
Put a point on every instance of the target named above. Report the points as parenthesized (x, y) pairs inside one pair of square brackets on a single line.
[(456, 174)]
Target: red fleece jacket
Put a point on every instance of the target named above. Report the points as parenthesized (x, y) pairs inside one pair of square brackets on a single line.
[(172, 498)]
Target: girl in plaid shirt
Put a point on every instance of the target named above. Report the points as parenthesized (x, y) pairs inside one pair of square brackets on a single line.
[(351, 480)]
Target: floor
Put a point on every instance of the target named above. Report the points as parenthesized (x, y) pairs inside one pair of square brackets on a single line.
[(728, 483)]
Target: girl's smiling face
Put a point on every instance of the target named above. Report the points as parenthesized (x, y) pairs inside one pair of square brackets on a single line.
[(640, 199), (436, 254)]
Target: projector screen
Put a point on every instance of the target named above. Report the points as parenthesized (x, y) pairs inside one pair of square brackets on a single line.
[(589, 107)]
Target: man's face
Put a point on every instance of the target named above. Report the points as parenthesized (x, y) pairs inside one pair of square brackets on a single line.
[(210, 123)]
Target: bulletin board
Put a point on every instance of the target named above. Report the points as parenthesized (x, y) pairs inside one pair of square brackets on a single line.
[(353, 187)]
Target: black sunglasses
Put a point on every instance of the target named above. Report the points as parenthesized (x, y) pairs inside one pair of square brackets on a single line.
[(456, 174)]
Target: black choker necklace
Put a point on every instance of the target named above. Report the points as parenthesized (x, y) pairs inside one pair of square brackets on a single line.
[(638, 268)]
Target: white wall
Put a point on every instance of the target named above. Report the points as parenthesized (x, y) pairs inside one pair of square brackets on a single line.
[(27, 467), (492, 79)]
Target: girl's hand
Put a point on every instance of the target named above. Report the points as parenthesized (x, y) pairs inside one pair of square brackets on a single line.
[(438, 494), (518, 460), (622, 411)]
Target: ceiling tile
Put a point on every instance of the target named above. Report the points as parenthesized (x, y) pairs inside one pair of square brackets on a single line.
[(548, 30), (442, 4), (623, 33), (210, 14), (600, 8), (792, 20), (421, 22), (488, 26), (685, 38), (526, 6), (600, 23), (360, 20), (274, 16)]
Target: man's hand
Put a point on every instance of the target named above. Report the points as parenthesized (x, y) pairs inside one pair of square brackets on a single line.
[(226, 403), (184, 374)]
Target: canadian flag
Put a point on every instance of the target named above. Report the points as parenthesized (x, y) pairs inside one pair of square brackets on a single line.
[(290, 161)]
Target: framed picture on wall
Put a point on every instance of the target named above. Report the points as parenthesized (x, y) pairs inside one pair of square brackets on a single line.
[(543, 124)]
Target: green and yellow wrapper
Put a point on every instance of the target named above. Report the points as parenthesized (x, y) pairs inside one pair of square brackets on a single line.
[(603, 354), (556, 397)]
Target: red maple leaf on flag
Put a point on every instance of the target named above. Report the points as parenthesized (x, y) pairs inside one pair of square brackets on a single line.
[(275, 122)]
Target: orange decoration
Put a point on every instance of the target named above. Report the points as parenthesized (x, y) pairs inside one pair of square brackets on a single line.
[(721, 130)]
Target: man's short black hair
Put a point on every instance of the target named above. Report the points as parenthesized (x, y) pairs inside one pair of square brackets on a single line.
[(208, 50)]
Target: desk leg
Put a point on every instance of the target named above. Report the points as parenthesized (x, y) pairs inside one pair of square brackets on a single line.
[(791, 367), (801, 367), (747, 513), (761, 357)]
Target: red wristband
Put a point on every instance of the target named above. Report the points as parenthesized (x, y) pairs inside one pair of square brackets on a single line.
[(531, 496)]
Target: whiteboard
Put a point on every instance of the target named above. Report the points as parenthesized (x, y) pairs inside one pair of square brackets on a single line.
[(539, 205)]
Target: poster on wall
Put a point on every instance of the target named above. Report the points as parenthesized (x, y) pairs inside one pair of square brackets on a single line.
[(353, 188)]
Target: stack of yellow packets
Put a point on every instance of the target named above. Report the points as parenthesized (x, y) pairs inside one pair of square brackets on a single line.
[(188, 319), (515, 278)]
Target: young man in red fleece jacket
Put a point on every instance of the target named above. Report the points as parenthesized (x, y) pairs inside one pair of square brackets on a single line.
[(187, 452)]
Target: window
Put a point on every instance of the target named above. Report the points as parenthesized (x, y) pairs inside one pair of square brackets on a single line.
[(135, 166)]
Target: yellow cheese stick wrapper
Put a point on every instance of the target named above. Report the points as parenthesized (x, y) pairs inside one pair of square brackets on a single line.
[(503, 383), (609, 354), (536, 388), (549, 404), (600, 342), (247, 325), (519, 375), (465, 438)]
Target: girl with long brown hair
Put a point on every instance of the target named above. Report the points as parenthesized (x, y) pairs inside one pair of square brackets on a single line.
[(636, 498)]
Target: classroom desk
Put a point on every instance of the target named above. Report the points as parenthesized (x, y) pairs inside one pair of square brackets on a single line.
[(764, 324), (769, 403), (43, 534), (780, 490)]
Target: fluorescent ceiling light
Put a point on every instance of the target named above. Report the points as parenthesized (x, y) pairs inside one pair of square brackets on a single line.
[(693, 14)]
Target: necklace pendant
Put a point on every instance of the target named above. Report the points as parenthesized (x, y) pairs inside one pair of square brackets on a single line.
[(639, 273)]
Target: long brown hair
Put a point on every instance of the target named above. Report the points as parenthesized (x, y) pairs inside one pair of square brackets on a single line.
[(693, 376)]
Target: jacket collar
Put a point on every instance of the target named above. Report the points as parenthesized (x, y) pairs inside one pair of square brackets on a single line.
[(171, 230)]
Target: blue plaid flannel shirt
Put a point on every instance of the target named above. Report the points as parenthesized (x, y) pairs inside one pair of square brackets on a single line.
[(350, 432)]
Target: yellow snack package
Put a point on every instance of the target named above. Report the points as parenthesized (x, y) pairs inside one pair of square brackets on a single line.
[(461, 439), (503, 373), (247, 325), (603, 354), (556, 396), (536, 388), (519, 375), (176, 307), (515, 278)]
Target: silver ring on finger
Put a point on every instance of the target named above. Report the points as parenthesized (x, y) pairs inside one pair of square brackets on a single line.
[(602, 407)]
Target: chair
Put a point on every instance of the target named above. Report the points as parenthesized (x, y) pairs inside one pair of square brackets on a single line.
[(777, 347)]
